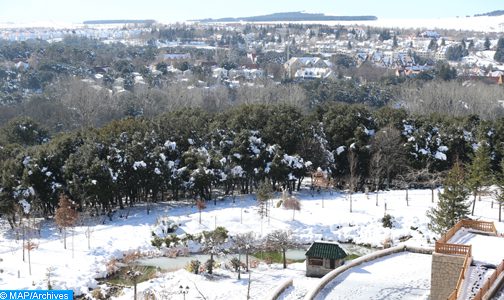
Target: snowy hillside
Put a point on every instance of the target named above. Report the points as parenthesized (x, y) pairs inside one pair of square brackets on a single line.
[(322, 216), (483, 23)]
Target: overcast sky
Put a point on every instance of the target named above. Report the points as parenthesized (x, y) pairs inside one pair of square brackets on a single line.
[(76, 11)]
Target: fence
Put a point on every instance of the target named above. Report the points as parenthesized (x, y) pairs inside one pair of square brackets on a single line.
[(480, 225), (489, 282), (453, 249), (473, 224)]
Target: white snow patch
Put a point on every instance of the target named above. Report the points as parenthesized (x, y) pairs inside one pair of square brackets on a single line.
[(340, 150), (139, 164), (26, 206)]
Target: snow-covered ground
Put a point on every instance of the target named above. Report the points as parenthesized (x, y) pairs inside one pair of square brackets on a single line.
[(485, 249), (475, 278), (322, 216), (224, 284), (398, 276), (499, 295)]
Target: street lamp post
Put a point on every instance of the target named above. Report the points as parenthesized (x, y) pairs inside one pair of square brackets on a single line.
[(183, 291)]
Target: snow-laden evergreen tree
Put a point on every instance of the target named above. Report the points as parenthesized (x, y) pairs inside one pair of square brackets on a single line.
[(480, 173), (499, 194), (264, 193), (452, 205)]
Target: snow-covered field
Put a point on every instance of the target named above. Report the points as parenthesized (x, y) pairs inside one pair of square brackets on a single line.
[(398, 276), (322, 216)]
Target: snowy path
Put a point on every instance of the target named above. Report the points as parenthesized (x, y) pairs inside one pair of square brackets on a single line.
[(476, 277), (398, 276)]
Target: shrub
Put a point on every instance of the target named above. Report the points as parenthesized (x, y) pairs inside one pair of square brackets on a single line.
[(172, 240), (210, 265), (387, 243), (193, 266), (236, 264), (387, 221), (157, 242), (98, 294)]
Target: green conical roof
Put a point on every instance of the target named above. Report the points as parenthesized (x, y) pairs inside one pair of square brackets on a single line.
[(326, 250)]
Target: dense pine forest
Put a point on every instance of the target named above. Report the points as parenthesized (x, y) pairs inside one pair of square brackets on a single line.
[(195, 154)]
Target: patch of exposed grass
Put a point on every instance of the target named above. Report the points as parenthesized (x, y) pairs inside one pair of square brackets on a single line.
[(274, 257), (121, 278), (351, 256)]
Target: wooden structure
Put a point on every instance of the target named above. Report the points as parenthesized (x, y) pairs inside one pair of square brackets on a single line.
[(443, 248), (321, 180), (489, 282), (323, 257)]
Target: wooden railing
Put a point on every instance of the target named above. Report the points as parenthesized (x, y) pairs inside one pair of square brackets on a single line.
[(453, 249), (473, 224), (489, 282), (467, 262), (479, 225), (450, 233)]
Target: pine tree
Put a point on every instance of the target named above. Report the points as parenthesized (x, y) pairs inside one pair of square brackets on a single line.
[(452, 205), (499, 52), (487, 44), (264, 193), (471, 45), (479, 171), (443, 42), (394, 42), (499, 195), (433, 45)]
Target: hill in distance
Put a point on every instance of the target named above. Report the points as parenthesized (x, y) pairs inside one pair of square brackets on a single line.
[(292, 16), (494, 13), (94, 22)]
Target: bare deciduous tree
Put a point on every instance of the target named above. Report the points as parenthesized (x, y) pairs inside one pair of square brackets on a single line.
[(280, 240), (66, 215), (201, 205), (247, 243), (453, 98), (293, 203), (353, 161)]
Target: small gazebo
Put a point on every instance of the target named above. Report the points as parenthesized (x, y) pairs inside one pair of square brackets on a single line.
[(323, 257)]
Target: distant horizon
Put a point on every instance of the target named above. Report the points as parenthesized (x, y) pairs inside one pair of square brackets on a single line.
[(78, 11)]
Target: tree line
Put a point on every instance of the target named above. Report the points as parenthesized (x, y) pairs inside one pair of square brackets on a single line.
[(195, 154)]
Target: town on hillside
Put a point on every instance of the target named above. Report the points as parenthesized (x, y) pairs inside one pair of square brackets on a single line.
[(283, 156)]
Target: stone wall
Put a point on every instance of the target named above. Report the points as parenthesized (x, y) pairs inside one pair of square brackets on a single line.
[(320, 271), (444, 274)]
